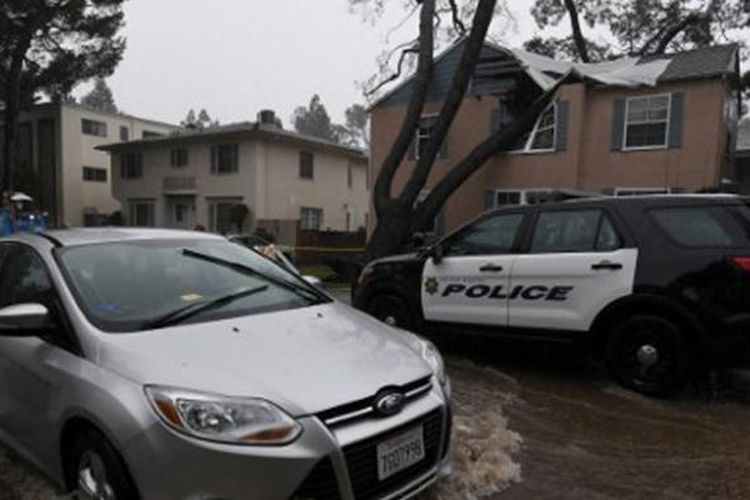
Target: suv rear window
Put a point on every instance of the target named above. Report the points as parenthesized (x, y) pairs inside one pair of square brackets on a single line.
[(701, 227)]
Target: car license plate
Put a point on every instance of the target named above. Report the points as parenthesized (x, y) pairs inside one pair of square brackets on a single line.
[(400, 452)]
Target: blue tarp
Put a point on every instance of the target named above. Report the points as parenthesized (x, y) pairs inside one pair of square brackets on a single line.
[(26, 223)]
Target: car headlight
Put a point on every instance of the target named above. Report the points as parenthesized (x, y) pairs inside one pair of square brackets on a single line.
[(433, 358), (223, 419)]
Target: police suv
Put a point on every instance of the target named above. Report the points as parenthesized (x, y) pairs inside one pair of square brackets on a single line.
[(659, 285)]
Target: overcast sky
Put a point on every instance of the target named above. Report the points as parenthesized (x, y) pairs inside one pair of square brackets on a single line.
[(235, 57)]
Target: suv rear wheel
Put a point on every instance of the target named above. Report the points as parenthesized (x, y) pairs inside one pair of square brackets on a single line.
[(649, 354)]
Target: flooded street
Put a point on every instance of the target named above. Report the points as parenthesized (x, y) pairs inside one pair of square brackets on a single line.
[(582, 436)]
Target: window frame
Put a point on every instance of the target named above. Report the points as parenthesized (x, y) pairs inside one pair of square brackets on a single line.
[(88, 169), (626, 123), (418, 138), (177, 154), (235, 157), (304, 154), (124, 133), (212, 208), (603, 213), (99, 128), (321, 215), (132, 206), (125, 166), (526, 149)]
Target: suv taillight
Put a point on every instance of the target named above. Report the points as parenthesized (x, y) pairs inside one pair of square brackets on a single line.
[(742, 263)]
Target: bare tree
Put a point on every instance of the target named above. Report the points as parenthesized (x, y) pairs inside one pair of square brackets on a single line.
[(398, 215)]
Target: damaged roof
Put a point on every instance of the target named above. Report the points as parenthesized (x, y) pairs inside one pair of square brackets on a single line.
[(497, 66)]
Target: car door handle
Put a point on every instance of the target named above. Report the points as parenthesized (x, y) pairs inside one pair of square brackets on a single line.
[(491, 268), (606, 265)]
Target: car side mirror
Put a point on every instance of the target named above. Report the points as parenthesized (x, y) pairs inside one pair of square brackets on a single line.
[(417, 240), (23, 320), (437, 253)]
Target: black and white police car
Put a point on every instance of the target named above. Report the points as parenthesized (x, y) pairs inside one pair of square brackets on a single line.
[(660, 285)]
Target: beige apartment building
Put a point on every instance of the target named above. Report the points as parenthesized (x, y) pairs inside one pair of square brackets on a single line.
[(656, 124), (287, 180), (56, 148)]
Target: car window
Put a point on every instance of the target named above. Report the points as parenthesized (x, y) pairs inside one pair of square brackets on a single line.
[(23, 278), (608, 239), (698, 227), (494, 235), (568, 231)]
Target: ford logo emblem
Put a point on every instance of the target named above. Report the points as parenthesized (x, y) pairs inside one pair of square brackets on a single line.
[(389, 403)]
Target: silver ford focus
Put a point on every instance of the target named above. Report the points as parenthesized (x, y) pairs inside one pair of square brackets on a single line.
[(167, 365)]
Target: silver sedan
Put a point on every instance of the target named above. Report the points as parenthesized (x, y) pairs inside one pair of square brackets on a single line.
[(166, 364)]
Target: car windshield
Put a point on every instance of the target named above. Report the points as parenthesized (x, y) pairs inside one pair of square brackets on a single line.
[(136, 285)]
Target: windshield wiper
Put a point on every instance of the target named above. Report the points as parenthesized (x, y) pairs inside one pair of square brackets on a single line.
[(305, 291), (190, 310)]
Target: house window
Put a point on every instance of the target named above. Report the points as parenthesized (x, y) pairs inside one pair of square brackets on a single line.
[(94, 174), (131, 166), (306, 165), (220, 215), (224, 159), (542, 137), (141, 213), (505, 198), (124, 134), (179, 157), (349, 175), (146, 134), (646, 122), (311, 219), (93, 127)]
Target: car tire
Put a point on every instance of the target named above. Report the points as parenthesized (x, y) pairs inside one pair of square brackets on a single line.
[(394, 310), (96, 471), (648, 354)]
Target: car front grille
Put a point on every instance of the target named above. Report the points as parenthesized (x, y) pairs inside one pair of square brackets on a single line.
[(361, 459), (357, 410)]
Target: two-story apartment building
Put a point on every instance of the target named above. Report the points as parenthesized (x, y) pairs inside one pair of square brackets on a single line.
[(56, 146), (288, 181), (656, 124)]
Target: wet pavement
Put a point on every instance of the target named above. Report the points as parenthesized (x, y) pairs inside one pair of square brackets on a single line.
[(539, 422)]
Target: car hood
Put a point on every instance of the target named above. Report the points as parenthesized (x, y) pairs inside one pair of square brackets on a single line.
[(305, 360)]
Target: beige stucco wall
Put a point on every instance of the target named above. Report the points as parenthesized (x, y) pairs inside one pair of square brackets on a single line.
[(77, 151), (587, 164), (267, 181)]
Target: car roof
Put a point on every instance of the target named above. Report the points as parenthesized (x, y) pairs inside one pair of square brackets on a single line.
[(650, 200), (94, 235)]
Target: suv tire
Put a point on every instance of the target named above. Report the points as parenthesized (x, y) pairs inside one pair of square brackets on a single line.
[(394, 310), (649, 354)]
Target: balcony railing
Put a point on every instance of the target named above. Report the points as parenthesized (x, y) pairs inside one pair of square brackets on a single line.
[(179, 184)]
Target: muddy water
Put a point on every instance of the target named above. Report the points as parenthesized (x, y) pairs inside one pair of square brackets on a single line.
[(583, 436)]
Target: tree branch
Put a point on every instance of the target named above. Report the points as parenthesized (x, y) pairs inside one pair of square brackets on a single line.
[(396, 75), (382, 188), (575, 26), (453, 101), (676, 29), (503, 140), (457, 23)]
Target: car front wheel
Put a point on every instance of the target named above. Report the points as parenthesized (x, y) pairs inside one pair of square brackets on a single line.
[(648, 354), (97, 472)]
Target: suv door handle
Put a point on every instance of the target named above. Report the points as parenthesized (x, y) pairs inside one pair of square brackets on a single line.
[(606, 265), (491, 268)]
